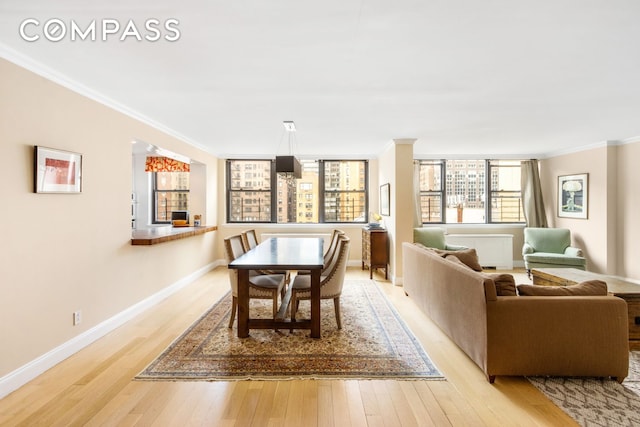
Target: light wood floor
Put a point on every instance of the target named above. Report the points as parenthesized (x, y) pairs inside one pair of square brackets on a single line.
[(94, 387)]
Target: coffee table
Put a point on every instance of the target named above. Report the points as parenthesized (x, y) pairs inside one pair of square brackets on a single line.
[(628, 291)]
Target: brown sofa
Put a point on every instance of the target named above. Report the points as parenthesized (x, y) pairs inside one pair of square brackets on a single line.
[(518, 335)]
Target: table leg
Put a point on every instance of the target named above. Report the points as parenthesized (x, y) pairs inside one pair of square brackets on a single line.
[(243, 303), (315, 303)]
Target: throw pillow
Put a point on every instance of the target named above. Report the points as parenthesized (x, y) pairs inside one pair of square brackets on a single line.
[(505, 284), (467, 256), (456, 260), (588, 288)]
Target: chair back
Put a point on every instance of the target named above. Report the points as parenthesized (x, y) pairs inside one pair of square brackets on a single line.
[(333, 245), (249, 239), (233, 248), (332, 283), (431, 237), (550, 240)]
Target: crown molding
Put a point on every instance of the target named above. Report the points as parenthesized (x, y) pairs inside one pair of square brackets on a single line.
[(601, 144), (54, 76)]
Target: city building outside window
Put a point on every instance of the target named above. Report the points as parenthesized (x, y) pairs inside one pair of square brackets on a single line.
[(328, 191), (455, 191), (170, 193), (249, 190)]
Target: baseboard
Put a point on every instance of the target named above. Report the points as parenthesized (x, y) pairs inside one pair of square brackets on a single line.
[(16, 379)]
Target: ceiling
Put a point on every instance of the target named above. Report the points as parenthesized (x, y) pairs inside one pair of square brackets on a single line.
[(495, 78)]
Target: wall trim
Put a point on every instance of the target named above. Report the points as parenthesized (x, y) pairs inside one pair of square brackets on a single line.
[(601, 144), (19, 377), (61, 79)]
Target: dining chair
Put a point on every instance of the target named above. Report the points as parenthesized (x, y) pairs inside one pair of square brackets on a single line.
[(250, 241), (330, 252), (261, 286), (331, 281)]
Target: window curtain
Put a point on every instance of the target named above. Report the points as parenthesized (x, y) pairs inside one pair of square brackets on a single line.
[(417, 211), (532, 203), (165, 164)]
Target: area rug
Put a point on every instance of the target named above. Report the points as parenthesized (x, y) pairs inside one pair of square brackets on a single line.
[(597, 402), (374, 342)]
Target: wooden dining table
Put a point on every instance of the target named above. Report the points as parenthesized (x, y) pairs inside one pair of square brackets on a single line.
[(280, 253)]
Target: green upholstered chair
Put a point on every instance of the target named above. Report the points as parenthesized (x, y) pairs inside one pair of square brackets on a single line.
[(433, 237), (550, 248)]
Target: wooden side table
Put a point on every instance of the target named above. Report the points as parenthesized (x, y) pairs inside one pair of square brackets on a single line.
[(375, 250)]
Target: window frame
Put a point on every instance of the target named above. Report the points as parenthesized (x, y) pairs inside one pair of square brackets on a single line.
[(273, 191), (154, 197), (448, 180), (494, 164)]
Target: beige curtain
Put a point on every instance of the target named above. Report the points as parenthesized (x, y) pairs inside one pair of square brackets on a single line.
[(417, 211), (533, 205)]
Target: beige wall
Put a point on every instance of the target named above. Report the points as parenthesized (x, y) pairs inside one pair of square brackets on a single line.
[(61, 253), (608, 234), (627, 211)]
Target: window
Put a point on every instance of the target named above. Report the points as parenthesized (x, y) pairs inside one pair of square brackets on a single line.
[(431, 173), (328, 191), (463, 197), (345, 191), (249, 190), (170, 193), (506, 203)]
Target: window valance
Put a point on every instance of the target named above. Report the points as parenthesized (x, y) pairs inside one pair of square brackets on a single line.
[(165, 164)]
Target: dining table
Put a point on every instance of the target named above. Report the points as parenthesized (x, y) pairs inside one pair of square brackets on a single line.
[(280, 253)]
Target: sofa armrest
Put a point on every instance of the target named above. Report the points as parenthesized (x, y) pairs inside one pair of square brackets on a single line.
[(565, 336), (572, 251), (527, 249)]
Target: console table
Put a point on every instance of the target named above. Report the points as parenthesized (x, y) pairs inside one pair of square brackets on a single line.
[(628, 291)]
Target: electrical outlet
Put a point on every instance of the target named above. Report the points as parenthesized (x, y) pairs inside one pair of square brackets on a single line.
[(77, 317)]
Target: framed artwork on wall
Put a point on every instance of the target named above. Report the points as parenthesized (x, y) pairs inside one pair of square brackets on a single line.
[(57, 171), (385, 199), (573, 192)]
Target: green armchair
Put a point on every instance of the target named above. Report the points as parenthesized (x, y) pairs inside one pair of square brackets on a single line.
[(550, 248), (433, 237)]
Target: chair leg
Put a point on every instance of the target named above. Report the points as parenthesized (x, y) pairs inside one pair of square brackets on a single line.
[(293, 306), (336, 307), (275, 304), (234, 305)]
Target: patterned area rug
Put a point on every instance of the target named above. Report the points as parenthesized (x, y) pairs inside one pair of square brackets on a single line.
[(597, 402), (373, 343)]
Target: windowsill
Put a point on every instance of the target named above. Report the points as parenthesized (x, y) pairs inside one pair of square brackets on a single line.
[(155, 235)]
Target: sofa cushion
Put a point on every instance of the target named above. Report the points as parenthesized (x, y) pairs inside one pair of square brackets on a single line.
[(505, 284), (587, 288), (469, 257), (455, 259), (552, 258)]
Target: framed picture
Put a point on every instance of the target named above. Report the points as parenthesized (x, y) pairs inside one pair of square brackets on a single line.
[(573, 193), (57, 171), (385, 199)]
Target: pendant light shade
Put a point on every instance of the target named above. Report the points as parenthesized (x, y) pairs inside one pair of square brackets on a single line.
[(288, 165)]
